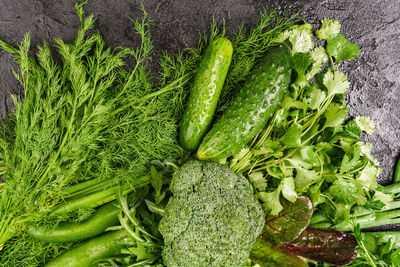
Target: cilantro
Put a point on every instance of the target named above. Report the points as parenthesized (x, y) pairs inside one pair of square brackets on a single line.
[(272, 199), (272, 203), (335, 115), (292, 137), (258, 180), (336, 82), (300, 36), (352, 129), (315, 99), (386, 199), (309, 155), (368, 176), (341, 48), (366, 124), (328, 29), (288, 189), (343, 191), (319, 56), (304, 178), (351, 162)]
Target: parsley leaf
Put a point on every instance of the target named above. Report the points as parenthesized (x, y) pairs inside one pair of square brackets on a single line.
[(341, 48)]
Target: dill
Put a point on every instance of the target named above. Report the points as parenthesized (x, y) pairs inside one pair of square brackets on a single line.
[(89, 117)]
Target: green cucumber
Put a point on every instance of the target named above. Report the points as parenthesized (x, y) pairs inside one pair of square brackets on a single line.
[(103, 218), (205, 92), (261, 95)]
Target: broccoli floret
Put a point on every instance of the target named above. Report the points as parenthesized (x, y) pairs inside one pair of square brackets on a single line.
[(212, 219)]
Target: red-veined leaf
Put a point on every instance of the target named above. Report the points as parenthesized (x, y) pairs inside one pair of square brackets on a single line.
[(292, 220), (330, 246)]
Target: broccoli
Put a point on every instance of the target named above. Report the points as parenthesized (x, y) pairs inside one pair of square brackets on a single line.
[(212, 219)]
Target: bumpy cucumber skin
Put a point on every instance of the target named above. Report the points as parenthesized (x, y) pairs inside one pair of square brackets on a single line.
[(205, 92), (106, 245), (261, 95)]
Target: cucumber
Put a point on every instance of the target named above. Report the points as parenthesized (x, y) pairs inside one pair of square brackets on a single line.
[(205, 93), (260, 96)]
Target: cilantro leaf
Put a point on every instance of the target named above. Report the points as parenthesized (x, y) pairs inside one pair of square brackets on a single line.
[(304, 178), (315, 99), (349, 162), (300, 62), (271, 200), (309, 155), (288, 189), (300, 37), (336, 82), (343, 191), (292, 137), (328, 29), (258, 180), (368, 175), (384, 198), (341, 48), (366, 124), (319, 56), (352, 129), (335, 115)]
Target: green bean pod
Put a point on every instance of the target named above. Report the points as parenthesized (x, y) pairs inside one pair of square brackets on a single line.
[(107, 245), (103, 218)]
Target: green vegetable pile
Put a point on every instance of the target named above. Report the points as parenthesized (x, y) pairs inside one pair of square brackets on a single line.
[(98, 166)]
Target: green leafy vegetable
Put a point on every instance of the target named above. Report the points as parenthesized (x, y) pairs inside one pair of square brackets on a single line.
[(328, 29), (288, 225), (341, 48), (329, 246)]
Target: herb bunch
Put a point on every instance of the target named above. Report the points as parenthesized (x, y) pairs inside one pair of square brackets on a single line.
[(311, 148), (89, 117)]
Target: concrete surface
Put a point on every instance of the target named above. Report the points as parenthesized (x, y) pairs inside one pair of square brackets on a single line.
[(372, 24)]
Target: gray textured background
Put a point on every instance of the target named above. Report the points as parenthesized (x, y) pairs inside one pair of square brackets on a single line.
[(373, 25)]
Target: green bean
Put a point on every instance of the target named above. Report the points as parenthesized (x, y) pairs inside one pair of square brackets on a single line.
[(103, 218), (106, 245)]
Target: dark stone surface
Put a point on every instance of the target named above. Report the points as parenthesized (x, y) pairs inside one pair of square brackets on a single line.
[(372, 24)]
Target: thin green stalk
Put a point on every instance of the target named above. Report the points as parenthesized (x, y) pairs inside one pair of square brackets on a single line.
[(98, 198), (392, 189), (366, 221), (89, 189), (165, 89), (288, 155)]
